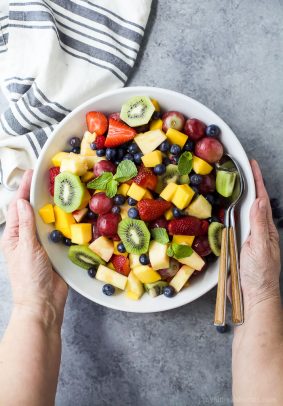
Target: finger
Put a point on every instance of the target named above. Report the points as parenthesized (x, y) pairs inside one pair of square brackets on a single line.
[(27, 230), (259, 223)]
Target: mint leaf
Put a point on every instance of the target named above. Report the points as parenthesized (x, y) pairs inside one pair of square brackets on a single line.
[(100, 183), (126, 170), (170, 251), (160, 235), (181, 251), (185, 163), (111, 188)]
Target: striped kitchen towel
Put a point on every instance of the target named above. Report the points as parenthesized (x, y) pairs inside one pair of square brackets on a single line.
[(54, 55)]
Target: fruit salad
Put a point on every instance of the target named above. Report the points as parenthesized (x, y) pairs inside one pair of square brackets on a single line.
[(139, 200)]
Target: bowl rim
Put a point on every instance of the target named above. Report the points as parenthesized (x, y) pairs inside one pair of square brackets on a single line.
[(112, 305)]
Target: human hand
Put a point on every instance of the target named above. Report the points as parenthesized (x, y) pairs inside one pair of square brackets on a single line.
[(260, 255), (36, 288)]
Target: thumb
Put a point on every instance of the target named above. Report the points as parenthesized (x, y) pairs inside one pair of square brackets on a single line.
[(259, 222), (26, 221)]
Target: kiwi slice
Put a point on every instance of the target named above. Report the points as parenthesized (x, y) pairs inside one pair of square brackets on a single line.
[(68, 191), (214, 237), (134, 235), (225, 182), (156, 288), (137, 111), (84, 257)]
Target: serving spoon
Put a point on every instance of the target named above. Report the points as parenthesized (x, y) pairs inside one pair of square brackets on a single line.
[(229, 245)]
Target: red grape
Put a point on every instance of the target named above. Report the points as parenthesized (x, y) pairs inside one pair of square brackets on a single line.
[(201, 246), (207, 184), (103, 166), (100, 203), (209, 149), (115, 116), (108, 224), (173, 119), (95, 232), (195, 129), (159, 223), (171, 271)]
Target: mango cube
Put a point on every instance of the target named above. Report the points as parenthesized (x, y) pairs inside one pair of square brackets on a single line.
[(156, 124), (57, 159), (81, 233), (85, 200), (146, 274), (124, 211), (176, 137), (108, 275), (168, 192), (88, 176), (123, 189), (183, 239), (63, 221), (136, 192), (116, 252), (168, 214), (134, 260), (181, 277), (47, 214), (183, 196), (156, 104), (75, 166), (134, 287), (152, 159), (200, 166), (148, 195), (103, 247)]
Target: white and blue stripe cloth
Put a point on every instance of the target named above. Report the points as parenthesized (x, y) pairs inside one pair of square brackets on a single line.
[(54, 55)]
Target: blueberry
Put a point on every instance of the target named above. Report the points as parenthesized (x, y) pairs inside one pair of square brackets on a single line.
[(189, 146), (133, 213), (76, 150), (210, 198), (222, 329), (56, 236), (274, 203), (131, 201), (214, 219), (110, 153), (92, 271), (119, 200), (93, 146), (159, 169), (133, 148), (67, 241), (175, 149), (195, 179), (91, 215), (169, 291), (156, 115), (125, 146), (144, 260), (120, 153), (116, 209), (166, 161), (195, 189), (137, 158), (212, 131), (165, 146), (176, 212), (108, 289), (75, 142), (128, 157), (121, 248), (100, 152), (117, 162)]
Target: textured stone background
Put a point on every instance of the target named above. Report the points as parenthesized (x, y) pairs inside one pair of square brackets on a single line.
[(228, 55)]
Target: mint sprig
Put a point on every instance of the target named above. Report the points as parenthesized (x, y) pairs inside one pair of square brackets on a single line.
[(126, 170), (111, 188), (185, 163), (179, 251), (100, 183), (160, 235)]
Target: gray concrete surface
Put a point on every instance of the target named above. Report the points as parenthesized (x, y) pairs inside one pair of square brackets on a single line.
[(229, 55)]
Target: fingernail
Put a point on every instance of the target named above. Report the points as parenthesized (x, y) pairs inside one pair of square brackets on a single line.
[(262, 204), (21, 205)]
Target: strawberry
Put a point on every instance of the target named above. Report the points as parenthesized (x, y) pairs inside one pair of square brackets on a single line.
[(96, 122), (150, 209), (118, 133), (115, 116), (53, 172), (121, 264), (146, 178), (188, 226), (100, 142)]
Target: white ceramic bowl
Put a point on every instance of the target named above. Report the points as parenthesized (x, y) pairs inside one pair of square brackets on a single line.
[(74, 124)]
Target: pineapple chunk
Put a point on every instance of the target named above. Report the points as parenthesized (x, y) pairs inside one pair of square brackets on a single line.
[(123, 189), (86, 199), (63, 221), (181, 277), (183, 196), (176, 137), (88, 176), (146, 274), (134, 288), (116, 252), (75, 166), (47, 214), (168, 192), (107, 275), (88, 138), (111, 266), (200, 208), (150, 140), (57, 159), (103, 247), (156, 104), (124, 211), (168, 214), (183, 239), (148, 195), (194, 261), (81, 233), (158, 255), (200, 166), (156, 125), (136, 192), (134, 260), (152, 159), (79, 214)]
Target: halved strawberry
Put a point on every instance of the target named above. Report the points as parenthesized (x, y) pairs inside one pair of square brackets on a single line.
[(188, 225), (118, 133), (96, 122), (146, 178), (150, 209), (115, 116), (100, 142), (53, 172), (121, 264)]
